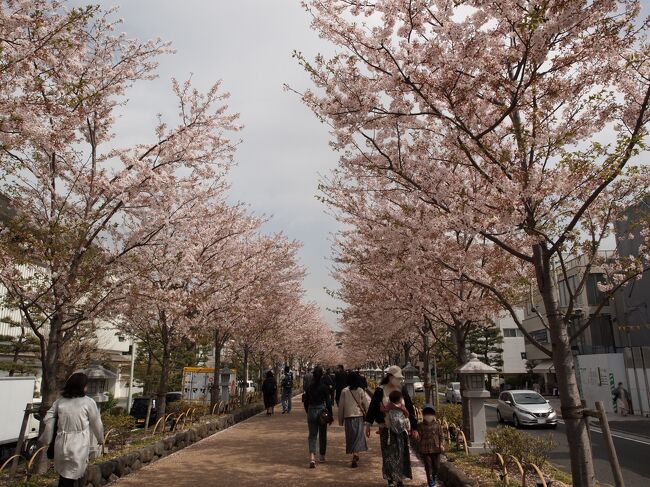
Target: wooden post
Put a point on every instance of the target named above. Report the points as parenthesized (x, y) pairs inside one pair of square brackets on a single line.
[(21, 439), (146, 421), (609, 443)]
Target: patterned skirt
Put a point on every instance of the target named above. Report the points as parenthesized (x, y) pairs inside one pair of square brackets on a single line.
[(396, 461), (355, 438)]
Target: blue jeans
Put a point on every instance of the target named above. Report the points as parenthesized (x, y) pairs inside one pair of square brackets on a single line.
[(316, 429), (286, 399)]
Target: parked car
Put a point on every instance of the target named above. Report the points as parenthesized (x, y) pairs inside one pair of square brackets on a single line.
[(452, 393), (525, 408), (141, 404), (418, 385)]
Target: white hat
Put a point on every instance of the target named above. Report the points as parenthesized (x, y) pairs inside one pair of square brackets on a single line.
[(395, 371)]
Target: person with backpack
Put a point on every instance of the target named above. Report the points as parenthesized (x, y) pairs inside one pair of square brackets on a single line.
[(396, 461), (353, 406), (287, 389)]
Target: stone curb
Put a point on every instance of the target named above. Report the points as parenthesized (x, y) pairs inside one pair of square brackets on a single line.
[(100, 474)]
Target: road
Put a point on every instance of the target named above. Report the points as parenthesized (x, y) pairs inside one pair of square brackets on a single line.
[(633, 453)]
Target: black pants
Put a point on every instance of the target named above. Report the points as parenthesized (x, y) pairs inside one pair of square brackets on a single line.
[(431, 464), (63, 482)]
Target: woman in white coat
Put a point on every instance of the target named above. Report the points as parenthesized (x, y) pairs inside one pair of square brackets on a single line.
[(353, 407), (78, 417)]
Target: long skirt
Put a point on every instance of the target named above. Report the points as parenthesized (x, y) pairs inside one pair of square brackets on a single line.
[(269, 400), (355, 438), (396, 461)]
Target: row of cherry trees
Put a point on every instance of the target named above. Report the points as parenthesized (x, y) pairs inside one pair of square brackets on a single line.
[(143, 235), (482, 145)]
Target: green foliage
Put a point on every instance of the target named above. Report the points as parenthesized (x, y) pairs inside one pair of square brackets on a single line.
[(523, 446), (453, 413), (486, 341), (418, 401), (110, 404), (121, 423)]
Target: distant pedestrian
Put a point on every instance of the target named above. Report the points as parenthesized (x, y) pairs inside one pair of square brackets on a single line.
[(286, 383), (318, 405), (353, 407), (431, 443), (269, 391), (340, 382), (396, 462), (76, 417), (330, 381), (620, 396)]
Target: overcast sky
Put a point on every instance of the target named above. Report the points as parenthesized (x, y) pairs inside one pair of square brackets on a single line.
[(247, 44)]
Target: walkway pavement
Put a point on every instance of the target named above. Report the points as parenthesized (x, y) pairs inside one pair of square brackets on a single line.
[(268, 452)]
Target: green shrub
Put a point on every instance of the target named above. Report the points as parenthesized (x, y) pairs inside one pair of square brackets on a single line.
[(523, 446), (109, 404), (453, 413), (122, 422), (418, 401)]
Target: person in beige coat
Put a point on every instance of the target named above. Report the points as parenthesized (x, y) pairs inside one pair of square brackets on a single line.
[(77, 418), (353, 406)]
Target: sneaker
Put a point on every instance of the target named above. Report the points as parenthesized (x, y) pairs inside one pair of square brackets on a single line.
[(432, 483), (312, 464)]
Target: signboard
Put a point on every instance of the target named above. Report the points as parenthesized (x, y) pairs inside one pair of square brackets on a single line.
[(197, 384)]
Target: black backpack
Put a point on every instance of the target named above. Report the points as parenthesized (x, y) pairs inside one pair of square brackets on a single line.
[(287, 380)]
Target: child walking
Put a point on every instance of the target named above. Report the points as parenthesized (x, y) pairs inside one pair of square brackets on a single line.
[(431, 443)]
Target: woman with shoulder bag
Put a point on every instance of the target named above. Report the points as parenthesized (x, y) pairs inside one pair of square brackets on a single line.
[(353, 407), (75, 417), (318, 405)]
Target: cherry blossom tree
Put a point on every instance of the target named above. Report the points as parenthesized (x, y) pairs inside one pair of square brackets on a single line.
[(63, 75), (496, 114)]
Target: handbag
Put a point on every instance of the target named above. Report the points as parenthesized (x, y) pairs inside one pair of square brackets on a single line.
[(361, 406), (50, 447), (324, 417)]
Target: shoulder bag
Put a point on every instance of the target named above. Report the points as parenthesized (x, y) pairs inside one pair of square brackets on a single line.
[(324, 417), (360, 404), (50, 447)]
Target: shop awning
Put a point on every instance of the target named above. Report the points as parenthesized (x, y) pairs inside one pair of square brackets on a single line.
[(544, 367)]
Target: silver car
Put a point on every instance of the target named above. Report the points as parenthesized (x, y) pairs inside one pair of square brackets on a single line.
[(452, 394), (525, 408)]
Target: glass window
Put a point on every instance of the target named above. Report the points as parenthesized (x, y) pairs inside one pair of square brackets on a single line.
[(540, 335), (564, 291), (512, 332), (594, 295), (528, 398)]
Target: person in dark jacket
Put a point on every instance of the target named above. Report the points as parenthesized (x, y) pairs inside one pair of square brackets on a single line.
[(396, 462), (329, 379), (269, 390), (316, 399), (340, 382)]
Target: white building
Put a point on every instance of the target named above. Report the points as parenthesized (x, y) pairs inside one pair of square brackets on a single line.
[(514, 347)]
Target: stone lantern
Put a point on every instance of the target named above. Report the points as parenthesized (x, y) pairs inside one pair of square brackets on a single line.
[(409, 373), (225, 377), (472, 375)]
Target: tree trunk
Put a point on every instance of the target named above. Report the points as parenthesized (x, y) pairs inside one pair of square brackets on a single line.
[(427, 369), (161, 406), (582, 468), (461, 358), (216, 389), (242, 393)]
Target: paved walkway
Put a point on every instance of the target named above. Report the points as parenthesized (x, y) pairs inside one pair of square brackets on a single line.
[(268, 452)]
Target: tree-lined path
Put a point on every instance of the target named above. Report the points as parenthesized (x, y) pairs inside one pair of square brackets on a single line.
[(265, 451)]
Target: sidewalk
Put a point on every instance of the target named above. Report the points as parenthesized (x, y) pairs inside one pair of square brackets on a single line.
[(268, 452)]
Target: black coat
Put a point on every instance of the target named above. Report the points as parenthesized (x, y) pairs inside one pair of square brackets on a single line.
[(374, 410), (269, 389)]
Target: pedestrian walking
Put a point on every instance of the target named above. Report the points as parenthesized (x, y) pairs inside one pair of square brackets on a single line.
[(330, 381), (269, 391), (340, 382), (287, 389), (318, 405), (353, 407), (621, 398), (431, 444), (396, 462), (69, 423)]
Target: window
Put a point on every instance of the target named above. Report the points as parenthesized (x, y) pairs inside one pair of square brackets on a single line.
[(120, 338), (594, 295), (512, 332), (540, 335)]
